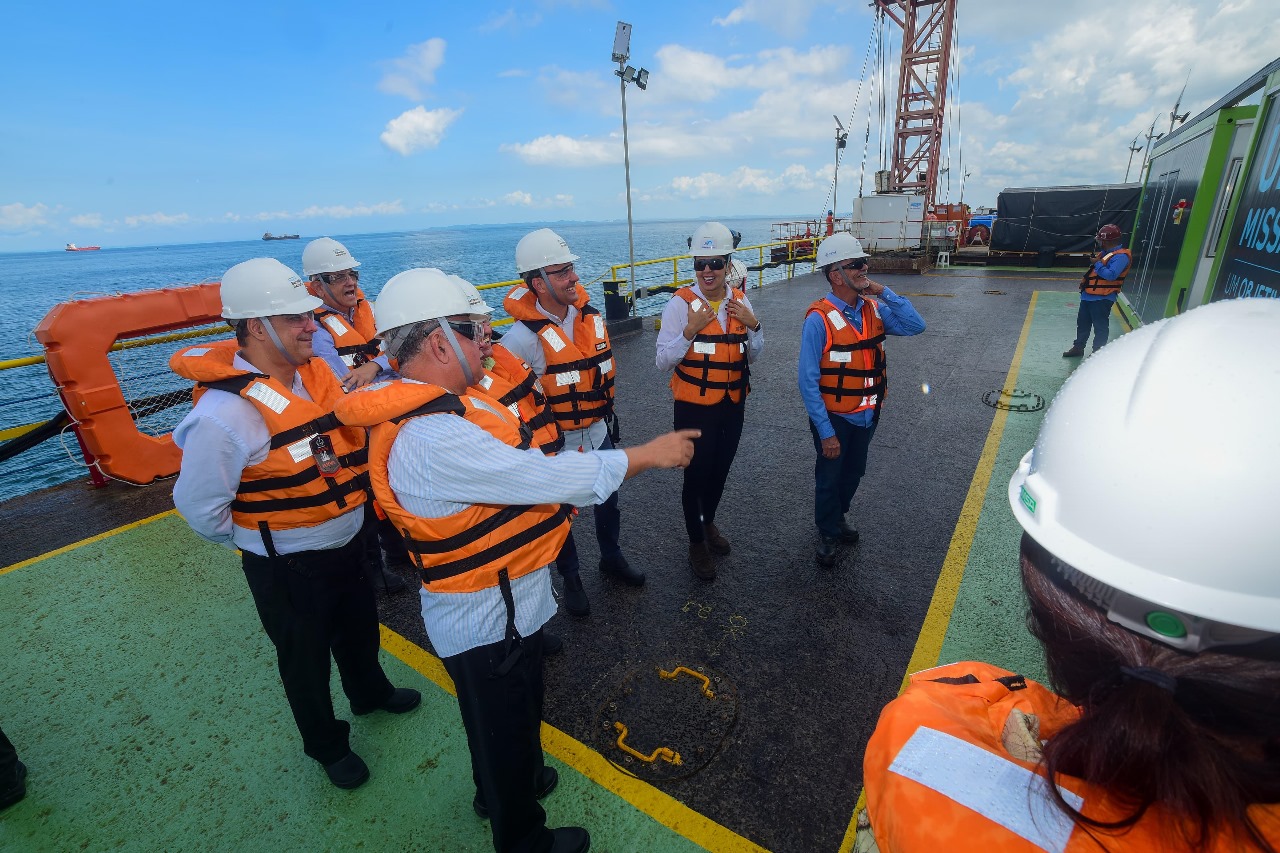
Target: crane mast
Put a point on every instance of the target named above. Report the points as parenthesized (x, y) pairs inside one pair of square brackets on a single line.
[(922, 90)]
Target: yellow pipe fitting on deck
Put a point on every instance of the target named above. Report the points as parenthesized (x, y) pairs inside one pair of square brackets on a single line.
[(662, 752), (675, 673)]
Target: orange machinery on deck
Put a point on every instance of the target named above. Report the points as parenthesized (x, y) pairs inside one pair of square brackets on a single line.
[(77, 337)]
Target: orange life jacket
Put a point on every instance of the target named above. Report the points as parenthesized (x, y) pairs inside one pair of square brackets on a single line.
[(1099, 286), (932, 765), (463, 552), (356, 340), (513, 383), (715, 367), (287, 489), (580, 372), (852, 373)]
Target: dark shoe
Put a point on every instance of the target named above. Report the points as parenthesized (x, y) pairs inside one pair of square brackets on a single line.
[(1074, 352), (848, 535), (570, 839), (716, 542), (348, 772), (575, 597), (389, 582), (551, 643), (621, 569), (826, 552), (548, 778), (403, 700), (700, 557), (17, 790)]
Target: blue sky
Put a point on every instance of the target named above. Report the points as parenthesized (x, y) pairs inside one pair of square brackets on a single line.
[(167, 123)]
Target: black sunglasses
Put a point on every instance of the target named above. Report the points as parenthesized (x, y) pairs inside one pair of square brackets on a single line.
[(700, 264)]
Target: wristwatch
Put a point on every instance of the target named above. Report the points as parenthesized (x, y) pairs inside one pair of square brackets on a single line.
[(759, 325)]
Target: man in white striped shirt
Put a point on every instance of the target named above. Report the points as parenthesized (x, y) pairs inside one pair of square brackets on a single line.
[(485, 516)]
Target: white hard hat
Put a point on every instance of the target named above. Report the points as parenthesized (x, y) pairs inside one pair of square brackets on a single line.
[(711, 240), (542, 248), (839, 247), (1155, 472), (264, 287), (425, 294), (473, 296), (737, 274), (326, 255)]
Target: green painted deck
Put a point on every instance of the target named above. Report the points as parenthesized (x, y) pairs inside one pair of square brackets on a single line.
[(142, 694)]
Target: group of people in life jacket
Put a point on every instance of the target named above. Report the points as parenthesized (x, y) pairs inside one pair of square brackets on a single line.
[(1161, 642)]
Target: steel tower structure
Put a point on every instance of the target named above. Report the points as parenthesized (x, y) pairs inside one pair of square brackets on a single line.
[(927, 27)]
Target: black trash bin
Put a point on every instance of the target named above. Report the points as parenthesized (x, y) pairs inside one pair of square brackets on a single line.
[(617, 304), (1044, 258)]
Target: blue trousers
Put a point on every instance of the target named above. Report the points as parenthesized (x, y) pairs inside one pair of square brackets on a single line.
[(836, 480), (1093, 314), (608, 531)]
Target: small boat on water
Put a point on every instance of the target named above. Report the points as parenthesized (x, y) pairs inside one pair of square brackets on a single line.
[(270, 236), (72, 247)]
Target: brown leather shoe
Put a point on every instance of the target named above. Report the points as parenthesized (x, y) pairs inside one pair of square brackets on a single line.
[(715, 541), (1074, 352), (700, 557)]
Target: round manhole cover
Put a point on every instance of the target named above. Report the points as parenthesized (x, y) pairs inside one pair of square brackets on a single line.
[(667, 721)]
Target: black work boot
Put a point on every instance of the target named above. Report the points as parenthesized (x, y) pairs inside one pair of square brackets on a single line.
[(575, 597), (621, 569)]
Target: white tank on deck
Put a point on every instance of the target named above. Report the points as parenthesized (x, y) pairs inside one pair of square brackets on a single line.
[(888, 221)]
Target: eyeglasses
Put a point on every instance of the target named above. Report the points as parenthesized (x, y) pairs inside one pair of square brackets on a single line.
[(332, 277), (296, 319), (474, 331), (700, 264), (563, 271)]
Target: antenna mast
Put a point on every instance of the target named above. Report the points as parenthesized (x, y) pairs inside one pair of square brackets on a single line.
[(922, 89)]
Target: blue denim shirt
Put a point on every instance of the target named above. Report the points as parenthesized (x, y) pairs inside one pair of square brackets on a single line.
[(1110, 271), (899, 317)]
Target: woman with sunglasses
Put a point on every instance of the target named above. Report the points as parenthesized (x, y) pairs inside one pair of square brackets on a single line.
[(709, 337)]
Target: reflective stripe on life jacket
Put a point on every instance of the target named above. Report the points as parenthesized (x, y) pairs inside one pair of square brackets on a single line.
[(1099, 286), (463, 552), (715, 367), (580, 372), (852, 375), (356, 339), (513, 383), (953, 765), (287, 489)]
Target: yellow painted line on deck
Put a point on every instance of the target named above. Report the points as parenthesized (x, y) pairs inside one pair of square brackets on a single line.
[(666, 810), (934, 629), (83, 542)]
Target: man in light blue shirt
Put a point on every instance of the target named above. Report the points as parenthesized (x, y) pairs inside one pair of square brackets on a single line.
[(842, 379)]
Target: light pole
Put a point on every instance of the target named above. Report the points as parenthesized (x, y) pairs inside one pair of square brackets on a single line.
[(841, 136), (627, 74)]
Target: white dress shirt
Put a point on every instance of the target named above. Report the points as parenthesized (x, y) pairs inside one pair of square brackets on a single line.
[(672, 345)]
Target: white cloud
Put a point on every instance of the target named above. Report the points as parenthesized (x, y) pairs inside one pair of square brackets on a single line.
[(744, 180), (87, 220), (560, 150), (789, 18), (342, 211), (518, 197), (514, 72), (19, 217), (411, 73), (417, 129), (157, 219)]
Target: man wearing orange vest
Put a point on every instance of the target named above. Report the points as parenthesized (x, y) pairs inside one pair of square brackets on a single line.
[(1098, 291), (267, 469), (563, 337), (709, 337), (346, 341), (842, 379), (483, 515)]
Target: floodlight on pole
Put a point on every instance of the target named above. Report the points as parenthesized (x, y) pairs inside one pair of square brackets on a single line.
[(841, 136), (627, 74)]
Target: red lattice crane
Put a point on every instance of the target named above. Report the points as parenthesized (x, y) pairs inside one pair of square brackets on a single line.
[(927, 27)]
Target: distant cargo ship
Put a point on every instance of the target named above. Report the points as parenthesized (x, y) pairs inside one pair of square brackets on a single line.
[(72, 247), (270, 236)]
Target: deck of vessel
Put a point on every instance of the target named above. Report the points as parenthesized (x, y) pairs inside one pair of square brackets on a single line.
[(142, 694)]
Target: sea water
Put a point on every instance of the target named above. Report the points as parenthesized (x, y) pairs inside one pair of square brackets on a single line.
[(33, 283)]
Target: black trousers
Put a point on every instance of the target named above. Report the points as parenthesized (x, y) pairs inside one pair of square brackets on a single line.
[(312, 605), (8, 762), (713, 453), (503, 718)]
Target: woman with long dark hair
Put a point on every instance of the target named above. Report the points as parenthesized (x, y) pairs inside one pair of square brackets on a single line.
[(1153, 582)]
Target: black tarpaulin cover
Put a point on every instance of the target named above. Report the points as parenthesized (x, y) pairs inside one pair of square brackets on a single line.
[(1031, 219)]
